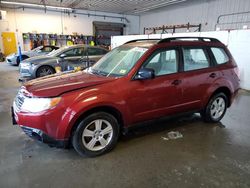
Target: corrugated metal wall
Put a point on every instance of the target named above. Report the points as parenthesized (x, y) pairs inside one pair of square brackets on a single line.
[(205, 12)]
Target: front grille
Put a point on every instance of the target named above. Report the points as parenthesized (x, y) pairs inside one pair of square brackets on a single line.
[(19, 101)]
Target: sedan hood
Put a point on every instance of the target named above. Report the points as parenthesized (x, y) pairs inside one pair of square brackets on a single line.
[(55, 85)]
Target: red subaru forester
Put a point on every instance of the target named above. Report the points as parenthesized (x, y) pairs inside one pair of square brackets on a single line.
[(138, 81)]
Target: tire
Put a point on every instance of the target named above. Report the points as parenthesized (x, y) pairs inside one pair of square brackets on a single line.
[(101, 132), (216, 108), (44, 71)]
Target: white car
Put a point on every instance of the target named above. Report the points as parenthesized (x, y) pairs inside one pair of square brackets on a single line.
[(14, 58)]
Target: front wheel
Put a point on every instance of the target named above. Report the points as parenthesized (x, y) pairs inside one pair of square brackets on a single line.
[(96, 134), (216, 108), (44, 71)]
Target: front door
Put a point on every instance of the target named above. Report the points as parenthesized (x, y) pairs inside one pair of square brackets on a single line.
[(73, 59), (161, 95)]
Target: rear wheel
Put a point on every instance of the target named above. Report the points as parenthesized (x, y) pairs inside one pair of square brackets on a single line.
[(216, 108), (96, 134), (44, 71)]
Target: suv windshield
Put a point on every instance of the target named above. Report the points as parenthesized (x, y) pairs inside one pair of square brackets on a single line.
[(119, 61)]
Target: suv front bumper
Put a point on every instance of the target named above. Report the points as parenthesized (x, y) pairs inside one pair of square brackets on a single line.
[(39, 135)]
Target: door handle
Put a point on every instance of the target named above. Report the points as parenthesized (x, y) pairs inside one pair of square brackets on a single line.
[(212, 75), (176, 82)]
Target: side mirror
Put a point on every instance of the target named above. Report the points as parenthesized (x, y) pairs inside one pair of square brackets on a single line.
[(62, 56), (145, 73)]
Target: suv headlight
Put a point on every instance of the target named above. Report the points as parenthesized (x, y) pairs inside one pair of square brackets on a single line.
[(39, 104)]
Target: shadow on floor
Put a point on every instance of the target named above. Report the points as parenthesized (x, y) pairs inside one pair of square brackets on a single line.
[(166, 124)]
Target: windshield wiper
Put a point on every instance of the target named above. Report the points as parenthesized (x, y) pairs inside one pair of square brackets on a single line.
[(98, 72)]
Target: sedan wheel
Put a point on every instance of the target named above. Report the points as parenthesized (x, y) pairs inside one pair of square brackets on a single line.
[(44, 71)]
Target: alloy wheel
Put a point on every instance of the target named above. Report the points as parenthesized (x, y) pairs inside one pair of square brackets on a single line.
[(217, 108), (97, 135), (45, 71)]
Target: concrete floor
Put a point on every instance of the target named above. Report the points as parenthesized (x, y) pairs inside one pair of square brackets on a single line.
[(208, 155)]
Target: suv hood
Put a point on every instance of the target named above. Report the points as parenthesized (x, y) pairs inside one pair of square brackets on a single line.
[(55, 85)]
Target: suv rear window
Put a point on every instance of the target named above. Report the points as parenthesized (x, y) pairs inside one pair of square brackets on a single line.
[(220, 55), (195, 58)]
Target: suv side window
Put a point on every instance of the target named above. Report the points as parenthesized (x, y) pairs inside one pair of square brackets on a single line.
[(164, 62), (195, 58), (220, 55)]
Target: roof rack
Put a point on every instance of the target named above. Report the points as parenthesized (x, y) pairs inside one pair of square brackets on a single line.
[(203, 39), (138, 40)]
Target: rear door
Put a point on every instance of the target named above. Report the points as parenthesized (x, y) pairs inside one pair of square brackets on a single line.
[(198, 73)]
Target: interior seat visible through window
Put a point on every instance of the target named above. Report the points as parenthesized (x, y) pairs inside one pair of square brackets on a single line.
[(163, 62)]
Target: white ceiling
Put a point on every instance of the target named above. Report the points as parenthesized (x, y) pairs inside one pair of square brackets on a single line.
[(115, 6)]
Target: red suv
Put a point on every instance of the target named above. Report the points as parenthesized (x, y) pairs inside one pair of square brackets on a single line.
[(138, 81)]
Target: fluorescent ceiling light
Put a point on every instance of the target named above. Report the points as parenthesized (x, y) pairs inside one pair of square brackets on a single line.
[(35, 5), (158, 6)]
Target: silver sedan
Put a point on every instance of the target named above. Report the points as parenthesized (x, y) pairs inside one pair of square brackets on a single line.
[(63, 59), (14, 58)]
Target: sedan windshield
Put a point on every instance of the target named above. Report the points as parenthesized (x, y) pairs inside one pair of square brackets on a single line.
[(118, 62)]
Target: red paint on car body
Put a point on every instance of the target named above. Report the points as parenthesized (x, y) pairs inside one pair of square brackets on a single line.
[(134, 100)]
